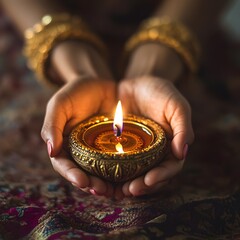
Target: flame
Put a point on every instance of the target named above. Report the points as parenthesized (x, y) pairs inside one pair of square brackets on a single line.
[(119, 147), (118, 120)]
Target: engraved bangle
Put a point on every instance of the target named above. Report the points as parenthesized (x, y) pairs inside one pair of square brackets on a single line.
[(172, 34), (44, 36)]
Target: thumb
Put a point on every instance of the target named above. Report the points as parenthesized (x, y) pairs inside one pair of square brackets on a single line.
[(182, 135), (125, 92), (52, 129)]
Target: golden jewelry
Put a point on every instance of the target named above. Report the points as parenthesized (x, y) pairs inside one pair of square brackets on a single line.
[(172, 34), (43, 37)]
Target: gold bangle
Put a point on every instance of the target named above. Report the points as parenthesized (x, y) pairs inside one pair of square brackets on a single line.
[(172, 34), (43, 37)]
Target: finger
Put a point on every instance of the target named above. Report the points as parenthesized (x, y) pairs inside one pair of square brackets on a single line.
[(137, 187), (53, 126), (86, 189), (157, 187), (98, 185), (125, 93), (110, 100), (125, 189), (70, 171), (165, 171), (94, 190), (182, 133)]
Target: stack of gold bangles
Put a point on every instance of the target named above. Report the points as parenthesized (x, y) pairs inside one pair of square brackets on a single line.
[(172, 34), (42, 38)]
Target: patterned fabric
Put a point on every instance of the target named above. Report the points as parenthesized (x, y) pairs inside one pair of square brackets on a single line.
[(203, 202)]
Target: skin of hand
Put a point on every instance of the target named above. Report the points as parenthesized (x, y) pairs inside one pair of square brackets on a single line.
[(149, 67), (87, 91), (145, 92)]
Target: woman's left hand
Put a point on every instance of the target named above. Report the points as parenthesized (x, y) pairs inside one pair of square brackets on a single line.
[(157, 98)]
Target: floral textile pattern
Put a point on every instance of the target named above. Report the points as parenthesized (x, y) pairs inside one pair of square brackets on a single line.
[(203, 202)]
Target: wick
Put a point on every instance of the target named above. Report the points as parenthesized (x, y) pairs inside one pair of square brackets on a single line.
[(117, 131), (119, 138)]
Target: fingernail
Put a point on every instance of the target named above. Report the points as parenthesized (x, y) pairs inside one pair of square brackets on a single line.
[(93, 192), (185, 151), (49, 148)]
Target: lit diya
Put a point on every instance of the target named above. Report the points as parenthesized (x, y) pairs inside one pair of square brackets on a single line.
[(118, 149)]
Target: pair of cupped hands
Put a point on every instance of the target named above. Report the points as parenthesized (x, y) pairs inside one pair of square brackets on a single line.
[(146, 89)]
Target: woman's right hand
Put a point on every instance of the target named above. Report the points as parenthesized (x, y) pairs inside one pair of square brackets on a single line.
[(88, 90)]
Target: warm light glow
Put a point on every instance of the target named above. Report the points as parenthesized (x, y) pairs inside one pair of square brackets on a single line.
[(118, 120), (119, 147)]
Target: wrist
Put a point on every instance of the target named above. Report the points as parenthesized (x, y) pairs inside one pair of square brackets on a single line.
[(174, 36), (43, 37), (72, 60), (156, 60)]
